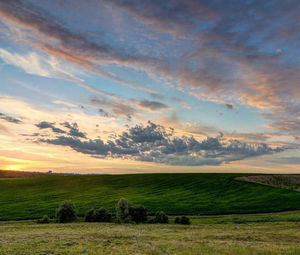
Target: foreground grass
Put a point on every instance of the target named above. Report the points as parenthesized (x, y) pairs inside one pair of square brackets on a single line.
[(248, 218), (98, 238), (177, 194)]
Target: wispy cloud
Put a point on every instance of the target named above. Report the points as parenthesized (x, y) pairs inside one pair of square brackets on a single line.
[(8, 118), (152, 105), (118, 108)]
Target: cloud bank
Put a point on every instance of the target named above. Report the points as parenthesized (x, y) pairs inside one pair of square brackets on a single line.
[(155, 143)]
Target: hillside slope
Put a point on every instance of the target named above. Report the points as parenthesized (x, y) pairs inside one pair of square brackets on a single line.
[(191, 194)]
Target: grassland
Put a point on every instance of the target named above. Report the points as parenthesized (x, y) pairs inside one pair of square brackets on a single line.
[(270, 234), (177, 194)]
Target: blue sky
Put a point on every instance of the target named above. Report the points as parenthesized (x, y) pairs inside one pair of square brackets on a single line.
[(128, 86)]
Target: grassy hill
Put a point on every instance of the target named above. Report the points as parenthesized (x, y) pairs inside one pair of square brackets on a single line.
[(191, 194)]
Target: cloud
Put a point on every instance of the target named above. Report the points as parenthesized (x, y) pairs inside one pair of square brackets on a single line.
[(118, 108), (152, 105), (229, 106), (103, 112), (49, 125), (157, 95), (31, 63), (73, 129), (237, 55), (9, 118), (168, 15), (285, 119), (228, 52), (68, 45), (154, 143), (37, 64), (286, 160)]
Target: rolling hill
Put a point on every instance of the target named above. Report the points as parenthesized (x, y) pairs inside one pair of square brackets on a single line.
[(190, 194)]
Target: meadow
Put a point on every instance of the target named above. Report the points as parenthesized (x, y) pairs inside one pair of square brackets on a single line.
[(176, 194), (265, 234)]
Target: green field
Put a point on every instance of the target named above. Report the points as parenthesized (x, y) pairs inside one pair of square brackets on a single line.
[(271, 234), (177, 194)]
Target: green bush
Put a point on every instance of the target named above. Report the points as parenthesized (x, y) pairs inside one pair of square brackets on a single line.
[(90, 215), (138, 213), (44, 220), (161, 217), (66, 212), (122, 211), (102, 215)]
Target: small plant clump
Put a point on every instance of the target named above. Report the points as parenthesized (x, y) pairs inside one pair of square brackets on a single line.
[(161, 217), (98, 215), (127, 213), (66, 212), (182, 220), (185, 220), (44, 220)]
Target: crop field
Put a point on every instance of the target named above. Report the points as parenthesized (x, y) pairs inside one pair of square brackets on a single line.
[(268, 234), (176, 194)]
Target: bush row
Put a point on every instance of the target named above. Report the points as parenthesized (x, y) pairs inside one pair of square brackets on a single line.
[(125, 213)]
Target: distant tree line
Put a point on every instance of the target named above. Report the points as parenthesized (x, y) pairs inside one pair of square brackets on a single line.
[(125, 213)]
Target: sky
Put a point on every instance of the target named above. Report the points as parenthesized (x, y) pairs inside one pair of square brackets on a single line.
[(130, 86)]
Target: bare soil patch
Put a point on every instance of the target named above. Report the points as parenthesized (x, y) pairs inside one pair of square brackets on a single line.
[(286, 181)]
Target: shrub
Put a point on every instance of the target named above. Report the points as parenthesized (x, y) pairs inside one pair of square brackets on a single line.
[(161, 217), (177, 220), (102, 215), (185, 220), (66, 212), (90, 215), (138, 213), (122, 211), (44, 220), (182, 220)]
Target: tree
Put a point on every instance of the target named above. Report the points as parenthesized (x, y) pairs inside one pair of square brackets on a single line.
[(138, 213), (185, 220), (177, 220), (66, 212), (122, 211), (161, 217), (102, 215)]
